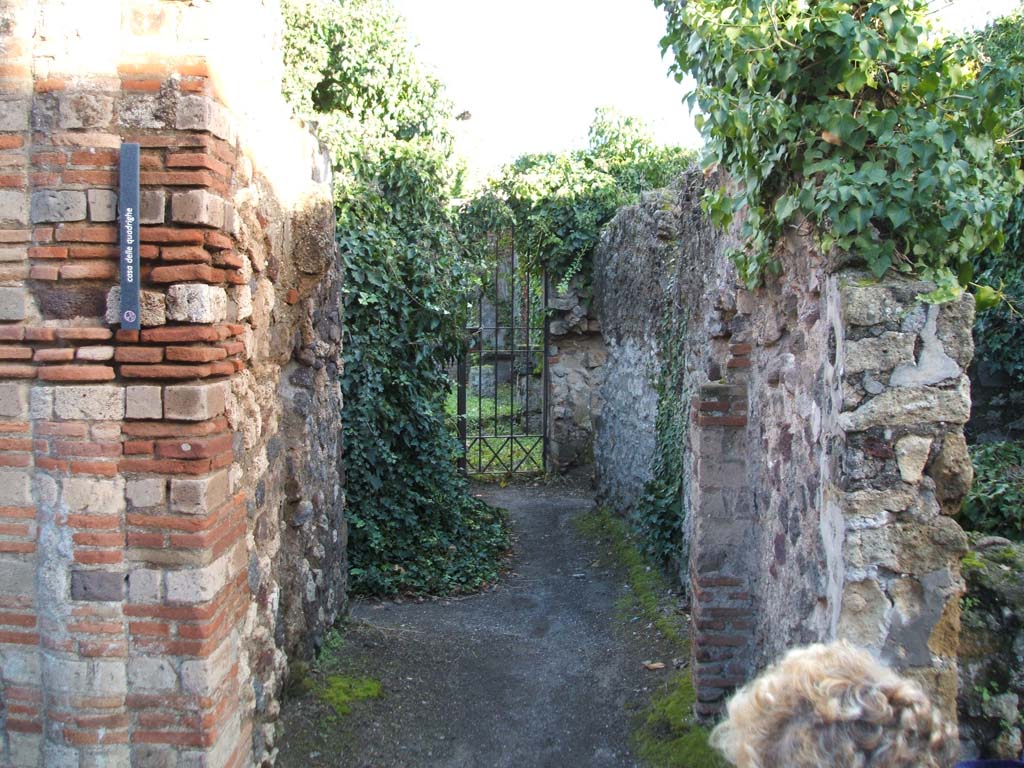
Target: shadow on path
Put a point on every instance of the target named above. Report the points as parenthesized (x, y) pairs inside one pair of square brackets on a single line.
[(540, 671)]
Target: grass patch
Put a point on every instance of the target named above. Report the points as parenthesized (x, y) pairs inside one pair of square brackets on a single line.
[(339, 692), (495, 427), (668, 737), (666, 734)]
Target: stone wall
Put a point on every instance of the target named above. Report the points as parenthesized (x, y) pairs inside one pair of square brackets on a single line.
[(825, 448), (155, 484)]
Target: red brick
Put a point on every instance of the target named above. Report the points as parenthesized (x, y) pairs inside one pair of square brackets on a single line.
[(17, 547), (234, 277), (102, 736), (166, 371), (11, 142), (186, 253), (12, 181), (721, 421), (49, 159), (54, 465), (99, 539), (192, 85), (54, 355), (85, 334), (151, 628), (61, 428), (176, 179), (738, 362), (165, 466), (194, 354), (181, 333), (147, 540), (95, 522), (42, 235), (93, 252), (169, 235), (219, 241), (126, 336), (48, 84), (47, 272), (228, 259), (86, 233), (139, 354), (102, 158), (88, 450), (110, 649), (202, 448), (96, 178), (15, 444), (137, 447), (15, 353), (98, 557), (15, 460), (40, 334), (17, 619), (14, 371), (197, 160), (47, 252), (11, 333), (291, 297), (151, 161), (142, 86), (103, 468), (46, 180), (233, 348), (224, 368), (192, 429), (99, 270), (22, 726), (76, 373), (187, 273)]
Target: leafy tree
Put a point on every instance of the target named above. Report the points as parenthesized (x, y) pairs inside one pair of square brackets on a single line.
[(413, 526), (893, 143)]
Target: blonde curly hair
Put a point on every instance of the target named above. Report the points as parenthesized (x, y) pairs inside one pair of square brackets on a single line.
[(833, 705)]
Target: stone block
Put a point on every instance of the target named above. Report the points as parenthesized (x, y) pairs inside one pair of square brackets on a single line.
[(144, 402), (14, 253), (66, 675), (196, 585), (952, 472), (26, 749), (199, 496), (102, 205), (97, 586), (202, 677), (863, 612), (197, 303), (142, 111), (911, 456), (197, 206), (58, 205), (17, 577), (882, 353), (100, 353), (13, 207), (14, 114), (13, 401), (151, 674), (41, 403), (200, 113), (908, 406), (12, 303), (102, 402), (151, 303), (20, 667), (932, 365), (154, 756), (110, 678), (15, 487), (147, 492), (241, 295), (152, 203), (144, 585), (90, 495), (194, 402), (85, 110)]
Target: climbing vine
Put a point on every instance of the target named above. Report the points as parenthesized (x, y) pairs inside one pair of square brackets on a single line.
[(557, 204), (893, 143), (413, 527)]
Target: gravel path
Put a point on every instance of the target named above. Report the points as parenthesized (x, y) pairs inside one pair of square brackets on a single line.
[(539, 671)]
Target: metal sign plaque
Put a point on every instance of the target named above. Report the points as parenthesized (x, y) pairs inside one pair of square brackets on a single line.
[(128, 221)]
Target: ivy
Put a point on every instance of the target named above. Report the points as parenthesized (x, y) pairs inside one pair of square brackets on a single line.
[(849, 114), (413, 527), (557, 204), (995, 504)]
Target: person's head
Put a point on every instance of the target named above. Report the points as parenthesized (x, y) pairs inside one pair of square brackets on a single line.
[(836, 706)]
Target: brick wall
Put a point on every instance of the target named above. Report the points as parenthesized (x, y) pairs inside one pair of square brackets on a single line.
[(153, 483)]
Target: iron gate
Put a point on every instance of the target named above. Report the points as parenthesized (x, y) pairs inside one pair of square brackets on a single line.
[(503, 374)]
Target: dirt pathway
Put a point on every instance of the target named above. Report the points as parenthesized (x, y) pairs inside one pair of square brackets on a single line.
[(539, 671)]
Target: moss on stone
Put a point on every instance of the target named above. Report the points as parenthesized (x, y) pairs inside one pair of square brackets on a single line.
[(668, 737), (339, 692), (971, 561)]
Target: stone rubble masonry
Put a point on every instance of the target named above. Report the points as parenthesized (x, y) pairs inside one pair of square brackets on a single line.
[(151, 590), (825, 452)]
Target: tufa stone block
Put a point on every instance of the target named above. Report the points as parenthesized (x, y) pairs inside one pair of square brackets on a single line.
[(197, 303), (97, 586), (194, 402), (152, 203), (151, 303), (13, 207), (101, 402), (58, 205), (102, 205), (197, 206), (151, 674), (14, 114), (93, 495), (15, 487), (85, 110), (148, 492), (144, 402), (199, 496), (200, 113), (12, 303), (14, 401), (911, 456), (144, 585), (14, 253)]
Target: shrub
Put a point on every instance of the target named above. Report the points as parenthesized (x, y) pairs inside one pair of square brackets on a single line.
[(996, 502)]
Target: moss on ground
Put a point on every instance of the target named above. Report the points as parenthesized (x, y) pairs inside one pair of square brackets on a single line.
[(666, 734), (339, 692)]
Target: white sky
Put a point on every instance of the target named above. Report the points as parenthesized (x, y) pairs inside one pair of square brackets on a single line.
[(531, 72)]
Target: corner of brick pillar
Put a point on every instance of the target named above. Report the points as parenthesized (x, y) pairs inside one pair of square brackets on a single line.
[(721, 546), (123, 514), (902, 471)]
